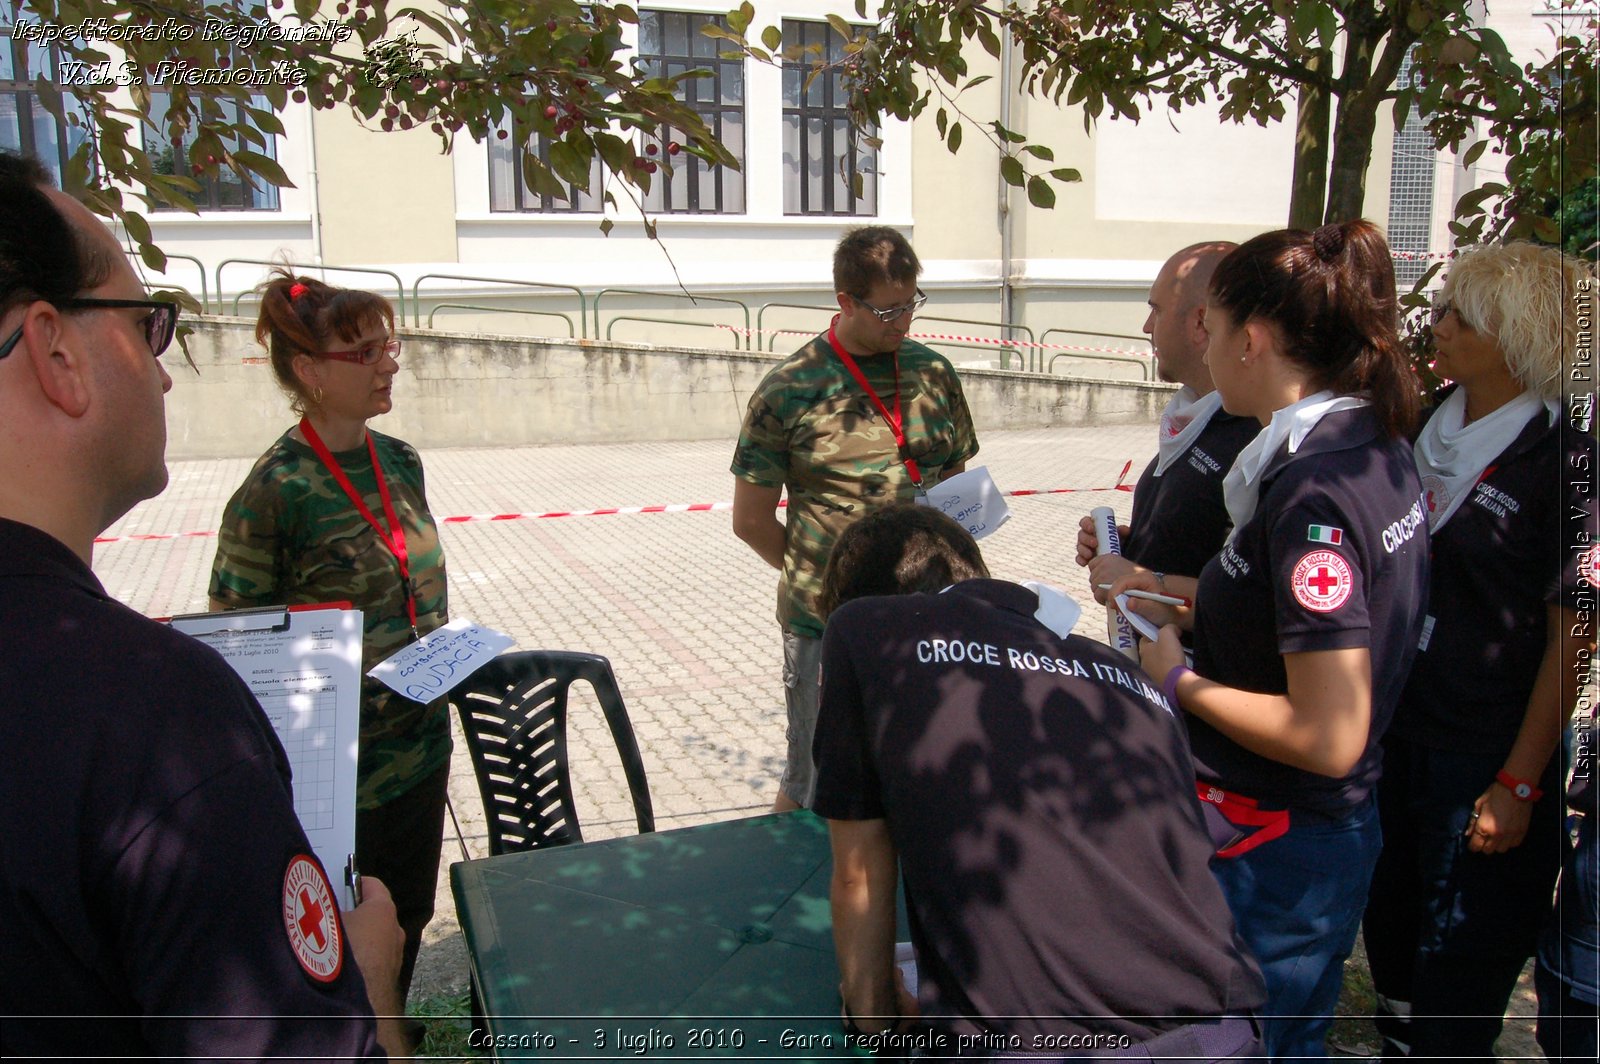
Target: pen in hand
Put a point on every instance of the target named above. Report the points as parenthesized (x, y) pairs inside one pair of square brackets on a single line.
[(1170, 600)]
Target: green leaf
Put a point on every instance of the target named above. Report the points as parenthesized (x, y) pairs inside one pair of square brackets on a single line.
[(953, 140), (264, 165), (616, 152), (772, 37), (153, 256), (1474, 153), (1011, 171), (841, 27), (539, 177), (1066, 174), (1039, 151), (979, 80), (568, 164), (1007, 135), (740, 20), (1040, 194), (606, 225), (942, 120), (137, 227)]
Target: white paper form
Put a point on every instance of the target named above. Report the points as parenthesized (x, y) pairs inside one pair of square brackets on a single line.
[(304, 667), (436, 663), (972, 498)]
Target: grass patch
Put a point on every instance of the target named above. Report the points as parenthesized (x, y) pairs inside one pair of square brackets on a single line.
[(447, 1020)]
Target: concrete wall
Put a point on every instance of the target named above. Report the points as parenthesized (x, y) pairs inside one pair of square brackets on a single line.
[(456, 390)]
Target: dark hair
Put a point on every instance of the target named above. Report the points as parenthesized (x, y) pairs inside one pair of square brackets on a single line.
[(872, 255), (300, 315), (1330, 297), (900, 550), (42, 254)]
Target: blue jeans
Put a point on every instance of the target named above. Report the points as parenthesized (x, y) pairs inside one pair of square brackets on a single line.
[(1569, 956), (1298, 902), (1449, 930)]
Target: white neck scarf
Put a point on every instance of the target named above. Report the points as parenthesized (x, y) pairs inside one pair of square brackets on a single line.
[(1182, 422), (1452, 454), (1241, 488), (1058, 611)]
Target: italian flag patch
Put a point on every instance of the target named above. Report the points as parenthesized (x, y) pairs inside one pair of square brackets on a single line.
[(1325, 534)]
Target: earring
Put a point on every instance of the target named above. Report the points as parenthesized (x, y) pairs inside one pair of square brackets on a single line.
[(316, 394), (1241, 358)]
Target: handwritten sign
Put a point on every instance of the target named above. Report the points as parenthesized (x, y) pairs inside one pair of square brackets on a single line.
[(433, 665), (973, 500)]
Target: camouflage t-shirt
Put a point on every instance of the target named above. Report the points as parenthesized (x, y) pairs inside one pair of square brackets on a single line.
[(290, 535), (810, 428)]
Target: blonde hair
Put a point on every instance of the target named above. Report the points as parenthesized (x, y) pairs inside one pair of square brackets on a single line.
[(1521, 296)]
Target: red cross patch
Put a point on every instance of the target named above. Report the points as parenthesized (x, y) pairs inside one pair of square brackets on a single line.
[(312, 920), (1322, 581), (1589, 565)]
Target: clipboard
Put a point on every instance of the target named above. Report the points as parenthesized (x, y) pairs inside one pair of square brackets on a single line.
[(303, 664)]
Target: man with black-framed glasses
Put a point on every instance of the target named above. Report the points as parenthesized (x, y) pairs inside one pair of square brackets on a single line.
[(859, 418), (147, 907)]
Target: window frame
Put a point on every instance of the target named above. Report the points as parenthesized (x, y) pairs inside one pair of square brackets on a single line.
[(800, 32), (154, 138), (688, 170)]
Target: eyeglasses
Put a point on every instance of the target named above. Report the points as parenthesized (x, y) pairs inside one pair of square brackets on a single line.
[(160, 324), (1439, 311), (891, 313), (370, 355)]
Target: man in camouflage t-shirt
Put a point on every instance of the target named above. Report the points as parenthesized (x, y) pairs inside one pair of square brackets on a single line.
[(827, 423)]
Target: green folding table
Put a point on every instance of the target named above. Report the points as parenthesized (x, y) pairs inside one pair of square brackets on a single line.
[(712, 942)]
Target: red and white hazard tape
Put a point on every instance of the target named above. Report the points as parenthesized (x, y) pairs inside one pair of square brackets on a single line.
[(952, 338), (607, 511)]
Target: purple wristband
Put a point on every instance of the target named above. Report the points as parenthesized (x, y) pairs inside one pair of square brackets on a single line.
[(1169, 686)]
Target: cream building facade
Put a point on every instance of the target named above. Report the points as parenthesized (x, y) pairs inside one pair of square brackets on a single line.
[(397, 204)]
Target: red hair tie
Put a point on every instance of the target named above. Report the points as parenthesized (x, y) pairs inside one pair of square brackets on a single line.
[(297, 290)]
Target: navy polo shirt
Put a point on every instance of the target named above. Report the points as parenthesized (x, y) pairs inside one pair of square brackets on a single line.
[(1335, 557), (1179, 519), (150, 860), (1039, 793), (1517, 544)]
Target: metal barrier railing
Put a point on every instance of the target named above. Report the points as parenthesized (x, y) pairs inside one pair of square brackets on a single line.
[(668, 295), (399, 286), (571, 331), (1005, 352), (205, 296), (728, 329), (772, 340), (1142, 361), (583, 304)]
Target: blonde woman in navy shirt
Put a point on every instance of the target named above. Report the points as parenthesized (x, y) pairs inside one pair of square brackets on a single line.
[(1471, 792), (1307, 621)]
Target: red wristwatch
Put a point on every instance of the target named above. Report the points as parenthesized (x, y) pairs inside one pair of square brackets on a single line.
[(1521, 790)]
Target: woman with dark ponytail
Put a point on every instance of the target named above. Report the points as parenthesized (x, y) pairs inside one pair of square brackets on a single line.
[(1306, 623), (334, 512)]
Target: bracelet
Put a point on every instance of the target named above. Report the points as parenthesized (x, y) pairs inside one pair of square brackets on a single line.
[(1169, 686), (1521, 790), (1161, 578)]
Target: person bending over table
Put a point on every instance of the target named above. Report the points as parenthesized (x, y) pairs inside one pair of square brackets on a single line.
[(1473, 828), (1306, 623), (336, 512), (1035, 790)]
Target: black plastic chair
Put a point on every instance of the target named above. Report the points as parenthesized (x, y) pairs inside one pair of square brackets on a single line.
[(514, 714)]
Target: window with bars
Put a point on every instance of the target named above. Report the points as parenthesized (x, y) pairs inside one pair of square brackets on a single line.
[(823, 154), (509, 191), (226, 190), (670, 43), (25, 125), (1411, 173)]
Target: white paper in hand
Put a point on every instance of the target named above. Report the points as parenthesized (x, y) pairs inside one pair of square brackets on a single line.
[(1142, 625), (443, 658), (973, 500)]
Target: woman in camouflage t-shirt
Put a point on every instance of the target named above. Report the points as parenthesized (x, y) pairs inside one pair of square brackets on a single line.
[(334, 512)]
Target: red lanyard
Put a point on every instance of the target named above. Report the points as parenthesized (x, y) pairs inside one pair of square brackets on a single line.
[(893, 420), (394, 537)]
